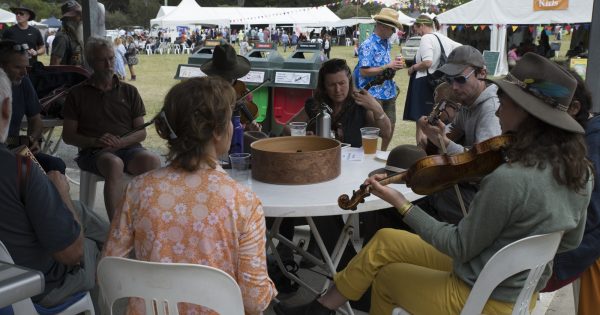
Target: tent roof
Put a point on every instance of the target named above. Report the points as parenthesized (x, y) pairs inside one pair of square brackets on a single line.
[(515, 12), (405, 19), (52, 22), (189, 12), (164, 10), (7, 17), (185, 13)]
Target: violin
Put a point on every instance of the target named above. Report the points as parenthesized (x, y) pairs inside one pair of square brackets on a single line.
[(439, 113), (438, 172), (247, 107)]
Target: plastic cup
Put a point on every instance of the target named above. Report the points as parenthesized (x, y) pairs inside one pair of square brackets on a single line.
[(369, 139), (297, 128), (240, 166)]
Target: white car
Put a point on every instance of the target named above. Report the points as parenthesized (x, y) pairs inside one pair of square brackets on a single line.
[(409, 49)]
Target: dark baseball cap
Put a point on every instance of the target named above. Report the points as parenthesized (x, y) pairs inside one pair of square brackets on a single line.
[(461, 58), (70, 8)]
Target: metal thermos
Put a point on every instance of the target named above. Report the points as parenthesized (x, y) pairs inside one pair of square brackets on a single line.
[(323, 121)]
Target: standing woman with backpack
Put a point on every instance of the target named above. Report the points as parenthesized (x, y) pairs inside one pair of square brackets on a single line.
[(131, 56), (419, 98)]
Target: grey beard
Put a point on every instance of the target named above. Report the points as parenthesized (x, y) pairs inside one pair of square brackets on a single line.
[(75, 29), (103, 76)]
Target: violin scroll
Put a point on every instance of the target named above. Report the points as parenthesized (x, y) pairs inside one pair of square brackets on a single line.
[(358, 196)]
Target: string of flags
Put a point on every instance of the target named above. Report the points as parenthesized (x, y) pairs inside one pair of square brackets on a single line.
[(514, 28)]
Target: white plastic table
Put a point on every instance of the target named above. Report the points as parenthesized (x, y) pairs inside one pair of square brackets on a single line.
[(18, 283), (281, 201)]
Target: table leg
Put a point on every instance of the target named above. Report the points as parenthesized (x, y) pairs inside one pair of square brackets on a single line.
[(47, 141)]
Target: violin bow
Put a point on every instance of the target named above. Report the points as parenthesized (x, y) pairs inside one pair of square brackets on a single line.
[(456, 190), (254, 89)]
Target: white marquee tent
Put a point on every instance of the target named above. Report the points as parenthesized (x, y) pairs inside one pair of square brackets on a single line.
[(512, 12), (164, 10), (188, 12), (7, 17)]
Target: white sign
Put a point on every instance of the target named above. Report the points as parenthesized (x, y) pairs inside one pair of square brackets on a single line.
[(254, 77), (190, 72), (299, 78)]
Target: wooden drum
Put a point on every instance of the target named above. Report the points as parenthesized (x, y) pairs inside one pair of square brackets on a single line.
[(296, 160)]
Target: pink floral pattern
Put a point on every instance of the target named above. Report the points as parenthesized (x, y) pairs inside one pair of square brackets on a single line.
[(204, 217)]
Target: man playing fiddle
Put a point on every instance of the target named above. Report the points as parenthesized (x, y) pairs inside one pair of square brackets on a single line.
[(226, 64), (475, 122)]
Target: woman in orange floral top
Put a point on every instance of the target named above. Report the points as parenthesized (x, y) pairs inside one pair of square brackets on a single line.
[(191, 211)]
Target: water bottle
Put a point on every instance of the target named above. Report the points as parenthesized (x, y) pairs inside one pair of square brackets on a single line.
[(237, 140), (324, 121)]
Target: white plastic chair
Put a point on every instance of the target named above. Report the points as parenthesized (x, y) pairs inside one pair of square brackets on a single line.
[(164, 285), (187, 49), (531, 253), (87, 188), (149, 49), (25, 307), (176, 49)]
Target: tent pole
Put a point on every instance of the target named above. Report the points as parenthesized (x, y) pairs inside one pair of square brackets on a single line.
[(592, 75)]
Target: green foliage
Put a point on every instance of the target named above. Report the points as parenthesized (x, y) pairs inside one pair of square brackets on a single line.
[(42, 9), (349, 11), (116, 19)]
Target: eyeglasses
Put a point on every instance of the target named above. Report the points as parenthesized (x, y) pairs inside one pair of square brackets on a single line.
[(460, 79)]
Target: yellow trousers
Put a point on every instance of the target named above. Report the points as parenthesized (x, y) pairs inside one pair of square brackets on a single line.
[(589, 294), (406, 271)]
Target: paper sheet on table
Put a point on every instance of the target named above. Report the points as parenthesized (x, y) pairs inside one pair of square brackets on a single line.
[(353, 154)]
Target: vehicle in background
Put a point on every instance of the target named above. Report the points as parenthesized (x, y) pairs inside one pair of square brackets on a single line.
[(409, 49)]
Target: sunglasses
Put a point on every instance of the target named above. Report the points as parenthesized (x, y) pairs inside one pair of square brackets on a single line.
[(21, 13), (460, 79)]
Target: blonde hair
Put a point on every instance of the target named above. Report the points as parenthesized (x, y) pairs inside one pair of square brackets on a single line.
[(193, 110)]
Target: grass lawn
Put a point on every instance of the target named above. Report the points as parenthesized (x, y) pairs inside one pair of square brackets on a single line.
[(155, 77)]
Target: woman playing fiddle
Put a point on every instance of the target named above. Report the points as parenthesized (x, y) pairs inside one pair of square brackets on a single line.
[(545, 186)]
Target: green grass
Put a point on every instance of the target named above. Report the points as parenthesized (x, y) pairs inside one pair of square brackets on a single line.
[(155, 77)]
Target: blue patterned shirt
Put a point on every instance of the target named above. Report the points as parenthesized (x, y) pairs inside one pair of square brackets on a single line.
[(375, 52)]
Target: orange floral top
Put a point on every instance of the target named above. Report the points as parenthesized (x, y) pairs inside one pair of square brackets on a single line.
[(204, 217)]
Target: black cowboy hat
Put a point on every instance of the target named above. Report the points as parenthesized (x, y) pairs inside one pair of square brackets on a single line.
[(226, 63), (23, 8), (400, 159)]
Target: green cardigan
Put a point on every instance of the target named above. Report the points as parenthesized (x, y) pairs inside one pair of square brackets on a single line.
[(513, 202)]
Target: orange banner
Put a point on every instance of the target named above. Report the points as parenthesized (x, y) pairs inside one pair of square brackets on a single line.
[(541, 5)]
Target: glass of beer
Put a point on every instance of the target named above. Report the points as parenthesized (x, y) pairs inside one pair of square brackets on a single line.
[(369, 139), (297, 128)]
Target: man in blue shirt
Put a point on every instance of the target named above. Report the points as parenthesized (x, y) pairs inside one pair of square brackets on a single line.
[(374, 59)]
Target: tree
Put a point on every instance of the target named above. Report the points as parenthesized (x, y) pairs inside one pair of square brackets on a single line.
[(116, 19), (42, 9), (349, 11)]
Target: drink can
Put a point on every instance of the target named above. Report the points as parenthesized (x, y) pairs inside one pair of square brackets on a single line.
[(400, 58)]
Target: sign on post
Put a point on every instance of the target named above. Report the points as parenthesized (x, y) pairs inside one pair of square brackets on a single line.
[(543, 5), (491, 59)]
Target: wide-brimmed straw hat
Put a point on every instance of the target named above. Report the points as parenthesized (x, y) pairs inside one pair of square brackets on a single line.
[(388, 17), (226, 63), (400, 159), (23, 8), (543, 89)]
